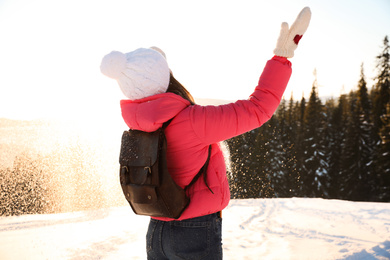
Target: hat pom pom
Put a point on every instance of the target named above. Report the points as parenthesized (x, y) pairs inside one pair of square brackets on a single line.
[(113, 64)]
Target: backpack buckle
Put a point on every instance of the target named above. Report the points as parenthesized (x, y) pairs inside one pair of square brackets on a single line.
[(148, 169)]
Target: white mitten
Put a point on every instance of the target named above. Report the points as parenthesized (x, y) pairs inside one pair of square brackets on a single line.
[(289, 37)]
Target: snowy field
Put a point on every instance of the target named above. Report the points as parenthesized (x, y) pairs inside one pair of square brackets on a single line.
[(252, 229)]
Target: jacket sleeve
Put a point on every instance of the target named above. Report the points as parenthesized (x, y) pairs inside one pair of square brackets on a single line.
[(217, 123)]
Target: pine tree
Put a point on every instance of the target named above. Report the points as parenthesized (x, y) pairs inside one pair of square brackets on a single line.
[(299, 111), (366, 185), (291, 150), (285, 174), (330, 146), (336, 130), (274, 155), (384, 158), (314, 165), (381, 90), (349, 155), (356, 157), (381, 98)]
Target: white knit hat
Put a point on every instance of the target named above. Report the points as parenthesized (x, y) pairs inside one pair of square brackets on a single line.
[(140, 73)]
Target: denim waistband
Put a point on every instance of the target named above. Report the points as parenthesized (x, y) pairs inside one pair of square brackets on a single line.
[(197, 219)]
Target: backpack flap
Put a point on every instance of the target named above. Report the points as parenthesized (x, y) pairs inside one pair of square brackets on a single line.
[(138, 154)]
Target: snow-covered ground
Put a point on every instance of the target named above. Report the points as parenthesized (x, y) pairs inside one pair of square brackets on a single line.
[(252, 229)]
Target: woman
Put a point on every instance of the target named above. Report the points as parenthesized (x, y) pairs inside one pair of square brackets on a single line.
[(155, 97)]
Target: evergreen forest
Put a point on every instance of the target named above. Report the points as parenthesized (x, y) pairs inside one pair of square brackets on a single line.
[(333, 149)]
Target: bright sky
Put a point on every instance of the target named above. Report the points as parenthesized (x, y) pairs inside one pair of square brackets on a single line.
[(50, 51)]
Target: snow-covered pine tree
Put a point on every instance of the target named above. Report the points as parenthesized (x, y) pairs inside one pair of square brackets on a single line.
[(358, 147), (381, 91), (275, 156), (337, 119), (366, 184), (285, 175), (291, 149), (380, 96), (299, 111), (314, 165), (329, 137), (384, 157), (350, 156)]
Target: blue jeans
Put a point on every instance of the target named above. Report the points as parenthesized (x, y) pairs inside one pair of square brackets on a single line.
[(195, 238)]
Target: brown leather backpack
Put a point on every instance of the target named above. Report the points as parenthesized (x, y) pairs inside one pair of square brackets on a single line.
[(144, 177)]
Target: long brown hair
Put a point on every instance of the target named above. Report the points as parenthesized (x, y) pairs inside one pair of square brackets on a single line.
[(178, 89)]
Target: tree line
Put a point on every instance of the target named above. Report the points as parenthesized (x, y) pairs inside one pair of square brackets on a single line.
[(334, 149)]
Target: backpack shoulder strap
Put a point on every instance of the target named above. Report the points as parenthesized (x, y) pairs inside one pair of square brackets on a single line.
[(166, 124), (203, 171)]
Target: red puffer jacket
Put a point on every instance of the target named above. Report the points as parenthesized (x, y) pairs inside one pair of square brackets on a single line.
[(195, 127)]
